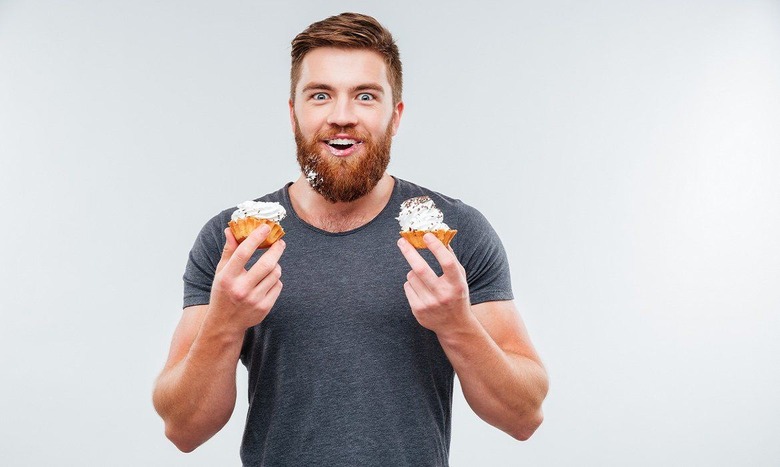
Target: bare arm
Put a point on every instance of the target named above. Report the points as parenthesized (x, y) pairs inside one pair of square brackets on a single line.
[(502, 377), (196, 392), (500, 373)]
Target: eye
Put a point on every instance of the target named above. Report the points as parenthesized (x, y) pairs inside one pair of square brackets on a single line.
[(320, 96), (364, 96)]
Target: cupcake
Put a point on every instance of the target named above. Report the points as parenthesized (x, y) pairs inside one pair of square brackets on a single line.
[(419, 216), (251, 215)]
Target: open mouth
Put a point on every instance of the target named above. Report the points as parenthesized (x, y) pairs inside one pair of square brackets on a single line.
[(342, 143), (342, 146)]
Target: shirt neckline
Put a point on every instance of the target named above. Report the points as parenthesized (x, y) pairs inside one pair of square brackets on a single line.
[(392, 201)]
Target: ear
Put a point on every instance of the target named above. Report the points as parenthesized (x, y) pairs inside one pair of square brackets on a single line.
[(397, 112), (292, 114)]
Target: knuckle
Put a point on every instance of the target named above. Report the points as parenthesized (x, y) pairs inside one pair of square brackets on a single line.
[(262, 306), (240, 256), (454, 289), (219, 279), (265, 264), (239, 293), (222, 282), (447, 301), (439, 299), (426, 304)]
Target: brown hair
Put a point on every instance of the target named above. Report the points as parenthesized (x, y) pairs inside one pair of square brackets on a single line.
[(348, 31)]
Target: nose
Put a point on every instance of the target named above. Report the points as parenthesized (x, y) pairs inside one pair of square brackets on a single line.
[(342, 114)]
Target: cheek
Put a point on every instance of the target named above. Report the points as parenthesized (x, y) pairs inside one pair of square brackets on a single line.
[(378, 123), (308, 124)]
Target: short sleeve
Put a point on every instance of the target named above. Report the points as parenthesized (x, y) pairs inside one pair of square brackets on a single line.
[(480, 251), (202, 263)]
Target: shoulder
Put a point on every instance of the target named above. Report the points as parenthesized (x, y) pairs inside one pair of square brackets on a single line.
[(475, 233), (456, 211), (407, 189)]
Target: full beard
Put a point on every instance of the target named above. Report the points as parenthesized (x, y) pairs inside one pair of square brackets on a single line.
[(343, 179)]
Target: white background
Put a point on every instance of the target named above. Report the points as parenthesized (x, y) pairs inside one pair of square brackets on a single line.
[(628, 153)]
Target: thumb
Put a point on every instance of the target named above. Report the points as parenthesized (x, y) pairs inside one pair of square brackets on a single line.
[(227, 251)]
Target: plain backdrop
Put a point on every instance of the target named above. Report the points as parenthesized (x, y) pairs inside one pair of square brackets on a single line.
[(627, 152)]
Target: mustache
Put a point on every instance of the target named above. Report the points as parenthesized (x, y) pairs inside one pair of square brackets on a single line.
[(341, 131)]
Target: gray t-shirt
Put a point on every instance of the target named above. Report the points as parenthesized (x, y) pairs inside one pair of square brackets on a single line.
[(340, 371)]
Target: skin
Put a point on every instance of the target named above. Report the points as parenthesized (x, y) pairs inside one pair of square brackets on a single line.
[(196, 392), (330, 93), (502, 377)]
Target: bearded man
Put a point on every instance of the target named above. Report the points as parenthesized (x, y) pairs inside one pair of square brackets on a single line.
[(352, 362)]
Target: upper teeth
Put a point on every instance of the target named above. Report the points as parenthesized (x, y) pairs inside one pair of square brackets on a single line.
[(342, 141)]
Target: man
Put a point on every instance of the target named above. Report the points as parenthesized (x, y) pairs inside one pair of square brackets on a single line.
[(351, 362)]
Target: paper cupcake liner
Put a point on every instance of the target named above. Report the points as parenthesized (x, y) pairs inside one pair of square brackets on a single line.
[(415, 237), (243, 227)]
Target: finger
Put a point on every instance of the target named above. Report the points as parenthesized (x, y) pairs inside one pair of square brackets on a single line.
[(460, 266), (270, 297), (423, 292), (260, 290), (228, 249), (445, 256), (267, 262), (418, 264), (414, 300), (449, 247), (246, 249)]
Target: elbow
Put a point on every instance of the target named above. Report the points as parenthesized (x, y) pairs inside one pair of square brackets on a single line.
[(533, 416), (181, 439), (189, 430), (176, 430), (188, 433), (524, 430)]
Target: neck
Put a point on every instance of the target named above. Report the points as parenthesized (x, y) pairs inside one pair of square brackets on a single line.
[(315, 210)]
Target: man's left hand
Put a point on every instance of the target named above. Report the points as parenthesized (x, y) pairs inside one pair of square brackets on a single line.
[(439, 303)]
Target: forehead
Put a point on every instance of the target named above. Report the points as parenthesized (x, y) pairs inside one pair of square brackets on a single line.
[(343, 68)]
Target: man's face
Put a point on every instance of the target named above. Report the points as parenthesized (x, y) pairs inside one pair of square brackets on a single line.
[(344, 119)]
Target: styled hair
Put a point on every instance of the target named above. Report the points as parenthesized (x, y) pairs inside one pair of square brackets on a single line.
[(348, 31)]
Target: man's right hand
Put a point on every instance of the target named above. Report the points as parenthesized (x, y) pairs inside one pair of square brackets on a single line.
[(242, 298), (196, 391)]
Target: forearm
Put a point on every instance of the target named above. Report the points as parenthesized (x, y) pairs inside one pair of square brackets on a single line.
[(196, 396), (505, 389)]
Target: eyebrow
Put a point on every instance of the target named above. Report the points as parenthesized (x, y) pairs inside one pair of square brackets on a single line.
[(360, 87)]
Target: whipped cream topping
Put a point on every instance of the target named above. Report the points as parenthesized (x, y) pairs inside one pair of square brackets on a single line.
[(260, 209), (421, 213)]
